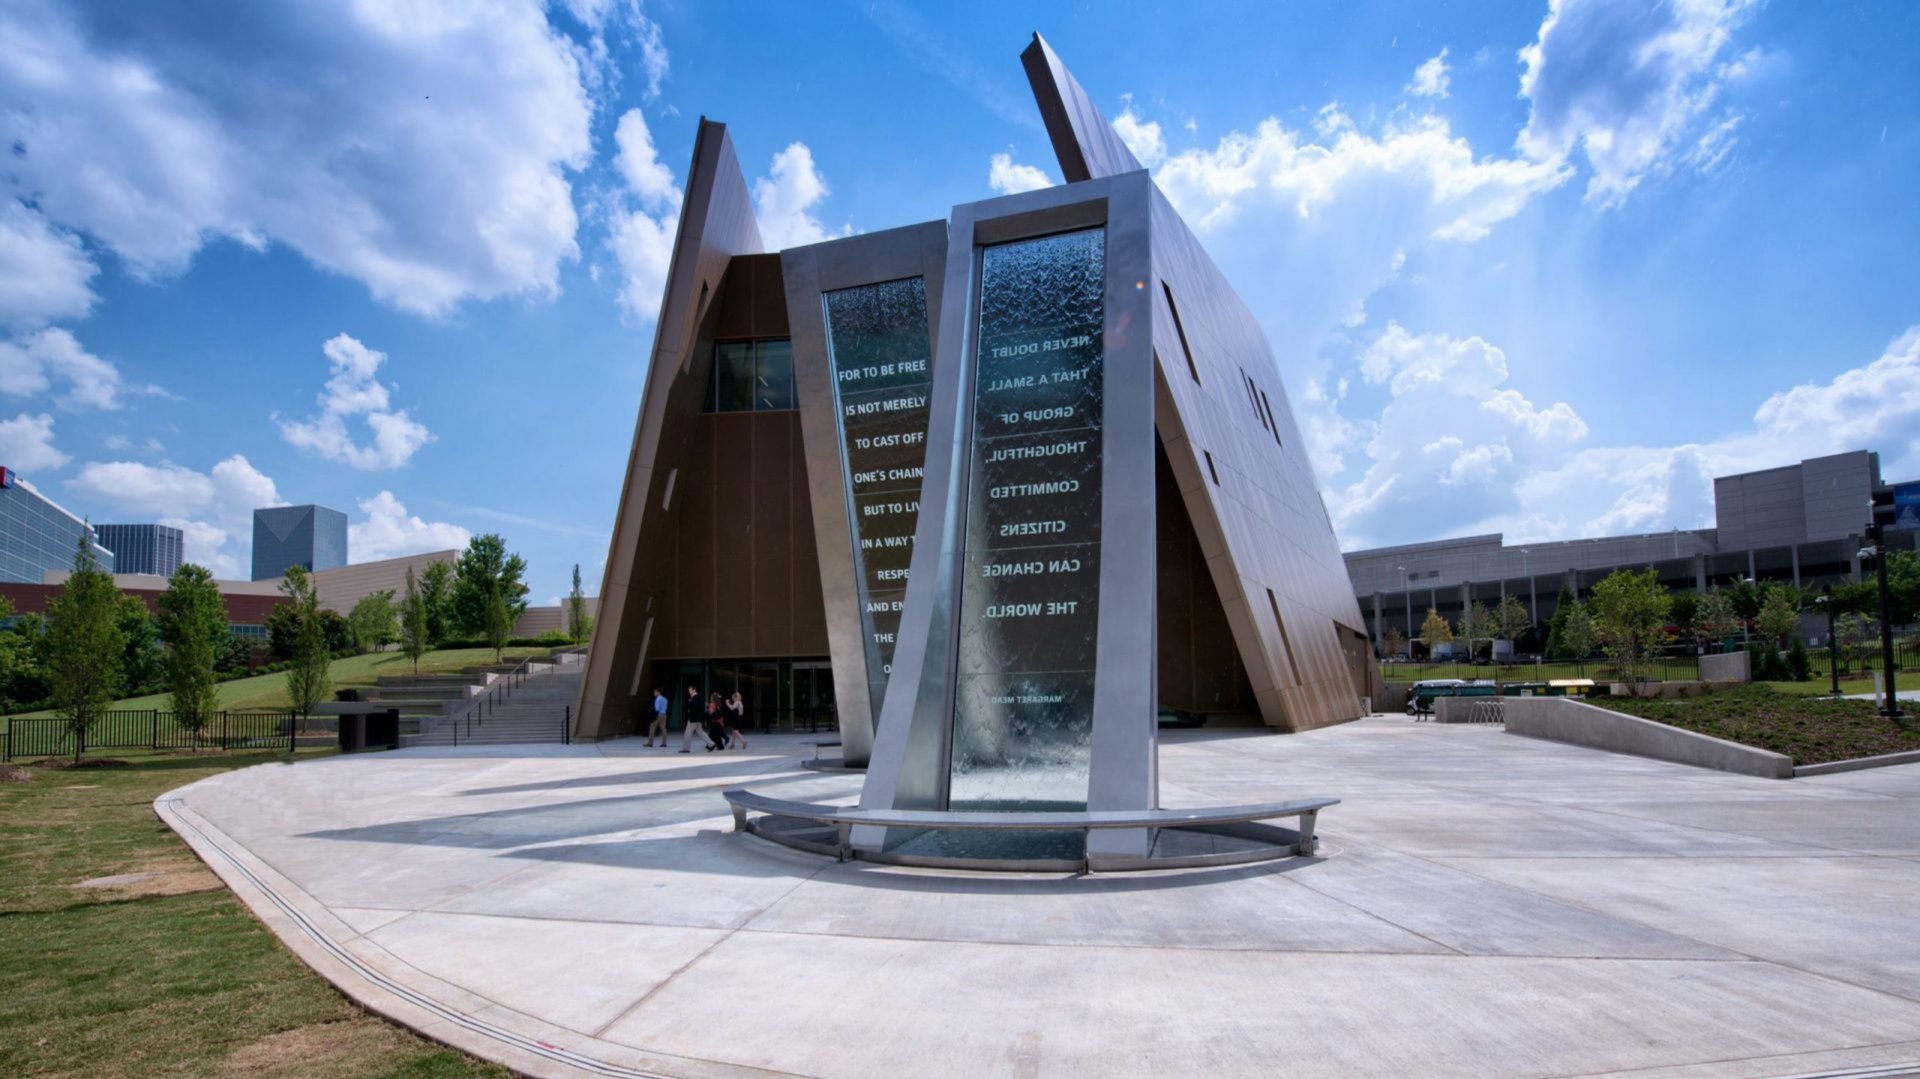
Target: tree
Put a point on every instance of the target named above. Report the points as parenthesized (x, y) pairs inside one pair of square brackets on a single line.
[(436, 597), (307, 678), (579, 624), (193, 622), (233, 653), (1686, 603), (1577, 631), (488, 593), (1435, 631), (1556, 624), (1477, 624), (1394, 643), (141, 662), (1779, 615), (372, 621), (1511, 619), (84, 645), (1714, 620), (1630, 615), (335, 631), (499, 623), (413, 622), (23, 664)]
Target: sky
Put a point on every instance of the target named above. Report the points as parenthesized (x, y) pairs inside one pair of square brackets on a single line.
[(1542, 268)]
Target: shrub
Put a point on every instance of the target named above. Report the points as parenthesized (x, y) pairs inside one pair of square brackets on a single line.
[(1799, 664)]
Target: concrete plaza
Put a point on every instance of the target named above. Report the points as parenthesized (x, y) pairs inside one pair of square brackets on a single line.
[(1485, 904)]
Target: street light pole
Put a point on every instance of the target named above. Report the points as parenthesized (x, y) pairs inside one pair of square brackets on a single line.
[(1833, 664), (1892, 707)]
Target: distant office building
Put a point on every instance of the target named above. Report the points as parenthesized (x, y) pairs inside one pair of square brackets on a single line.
[(1802, 524), (311, 537), (153, 549), (36, 535)]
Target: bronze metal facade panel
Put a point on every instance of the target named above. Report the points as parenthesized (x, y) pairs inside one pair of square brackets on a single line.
[(1087, 146), (716, 224), (1270, 548)]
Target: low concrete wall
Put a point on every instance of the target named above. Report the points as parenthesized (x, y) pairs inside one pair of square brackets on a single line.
[(1856, 764), (1729, 667), (1662, 690), (1563, 719), (1393, 697), (1467, 709)]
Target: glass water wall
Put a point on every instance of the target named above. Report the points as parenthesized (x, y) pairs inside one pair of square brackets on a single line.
[(1023, 706), (878, 346)]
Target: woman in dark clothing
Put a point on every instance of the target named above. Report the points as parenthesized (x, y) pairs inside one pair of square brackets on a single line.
[(716, 721)]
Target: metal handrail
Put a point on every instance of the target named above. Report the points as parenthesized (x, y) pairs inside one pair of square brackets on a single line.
[(483, 702)]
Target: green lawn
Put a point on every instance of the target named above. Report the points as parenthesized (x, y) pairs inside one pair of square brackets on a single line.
[(1809, 730), (268, 692), (171, 976)]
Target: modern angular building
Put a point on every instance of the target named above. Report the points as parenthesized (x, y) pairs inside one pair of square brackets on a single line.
[(1804, 524), (311, 537), (37, 535), (1005, 487), (148, 549)]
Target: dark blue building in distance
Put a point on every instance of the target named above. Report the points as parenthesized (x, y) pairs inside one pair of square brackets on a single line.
[(36, 535), (154, 549), (311, 537)]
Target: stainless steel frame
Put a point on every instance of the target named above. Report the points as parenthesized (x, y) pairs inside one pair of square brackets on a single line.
[(910, 768), (809, 273)]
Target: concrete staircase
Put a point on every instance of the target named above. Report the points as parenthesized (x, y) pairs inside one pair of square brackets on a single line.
[(536, 707)]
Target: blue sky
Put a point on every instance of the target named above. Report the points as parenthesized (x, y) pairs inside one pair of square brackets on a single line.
[(1542, 268)]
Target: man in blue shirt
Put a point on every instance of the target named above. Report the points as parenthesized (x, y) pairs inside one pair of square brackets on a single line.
[(659, 724)]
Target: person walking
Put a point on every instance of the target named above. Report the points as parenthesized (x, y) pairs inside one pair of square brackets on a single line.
[(737, 720), (717, 721), (659, 724), (695, 723)]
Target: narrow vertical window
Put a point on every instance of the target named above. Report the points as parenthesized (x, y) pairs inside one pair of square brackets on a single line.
[(1174, 310), (1211, 471), (1286, 642)]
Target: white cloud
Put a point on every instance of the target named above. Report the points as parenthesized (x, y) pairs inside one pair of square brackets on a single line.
[(422, 150), (1431, 79), (642, 219), (390, 532), (1142, 137), (783, 201), (1507, 465), (26, 444), (353, 390), (43, 270), (1325, 217), (1626, 84), (35, 362), (1007, 178), (138, 487), (214, 508)]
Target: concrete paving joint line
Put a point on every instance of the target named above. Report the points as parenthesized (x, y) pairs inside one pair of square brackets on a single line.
[(168, 808)]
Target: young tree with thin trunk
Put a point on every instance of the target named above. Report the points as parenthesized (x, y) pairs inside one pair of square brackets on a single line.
[(1512, 618), (499, 623), (1394, 642), (308, 677), (84, 645), (578, 624), (1577, 632), (1630, 613), (1713, 620), (371, 622), (1435, 631), (1476, 624), (413, 622), (193, 623), (1779, 616)]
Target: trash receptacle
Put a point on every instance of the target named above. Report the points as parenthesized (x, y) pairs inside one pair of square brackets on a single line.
[(381, 729)]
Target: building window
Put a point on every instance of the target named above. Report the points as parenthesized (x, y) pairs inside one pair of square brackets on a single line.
[(751, 376)]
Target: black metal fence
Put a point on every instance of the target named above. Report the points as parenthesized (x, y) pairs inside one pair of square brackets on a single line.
[(150, 730)]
